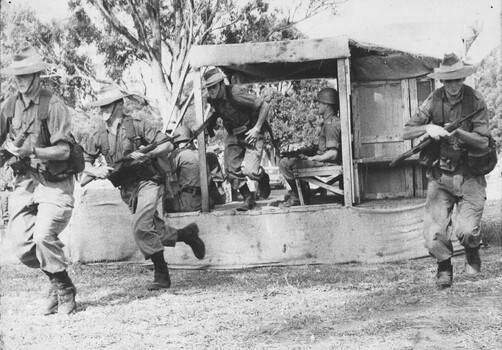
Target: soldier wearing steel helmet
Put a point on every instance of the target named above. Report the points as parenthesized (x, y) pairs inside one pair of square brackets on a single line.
[(186, 168), (328, 147), (244, 117)]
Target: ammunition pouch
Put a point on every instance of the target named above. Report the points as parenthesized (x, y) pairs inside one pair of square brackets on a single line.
[(20, 167), (482, 162), (449, 157), (429, 156), (130, 172), (193, 190)]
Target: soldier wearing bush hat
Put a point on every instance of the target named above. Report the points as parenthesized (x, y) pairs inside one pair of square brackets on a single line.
[(244, 117), (41, 205), (141, 180), (453, 179)]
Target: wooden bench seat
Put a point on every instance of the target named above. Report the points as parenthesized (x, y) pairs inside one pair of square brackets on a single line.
[(324, 177)]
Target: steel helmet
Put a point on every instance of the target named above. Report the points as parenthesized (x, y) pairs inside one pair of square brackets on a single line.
[(328, 95), (182, 133)]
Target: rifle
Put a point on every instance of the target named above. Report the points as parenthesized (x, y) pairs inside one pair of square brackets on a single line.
[(202, 127), (428, 140), (6, 152), (120, 163), (305, 151)]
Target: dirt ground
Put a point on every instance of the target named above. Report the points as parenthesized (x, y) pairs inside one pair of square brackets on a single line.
[(353, 306)]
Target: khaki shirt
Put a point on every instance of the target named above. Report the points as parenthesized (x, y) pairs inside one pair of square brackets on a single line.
[(330, 135), (119, 145), (58, 121), (453, 112)]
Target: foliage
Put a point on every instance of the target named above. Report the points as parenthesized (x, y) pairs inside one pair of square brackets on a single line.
[(58, 43), (489, 84), (161, 33), (292, 115)]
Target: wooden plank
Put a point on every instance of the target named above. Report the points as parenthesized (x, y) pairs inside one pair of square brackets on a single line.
[(344, 90), (332, 170), (333, 189), (270, 52), (356, 103), (381, 138), (176, 90), (199, 112)]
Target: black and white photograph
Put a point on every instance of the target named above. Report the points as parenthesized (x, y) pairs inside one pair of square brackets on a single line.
[(238, 174)]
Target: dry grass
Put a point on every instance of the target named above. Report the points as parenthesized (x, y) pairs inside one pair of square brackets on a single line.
[(354, 306), (491, 226)]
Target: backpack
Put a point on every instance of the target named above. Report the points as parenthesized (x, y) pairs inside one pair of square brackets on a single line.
[(482, 163), (55, 170)]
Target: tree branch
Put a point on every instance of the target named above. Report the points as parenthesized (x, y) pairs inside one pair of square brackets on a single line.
[(104, 7)]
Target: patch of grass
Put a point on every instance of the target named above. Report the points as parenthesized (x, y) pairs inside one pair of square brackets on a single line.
[(351, 306), (491, 225)]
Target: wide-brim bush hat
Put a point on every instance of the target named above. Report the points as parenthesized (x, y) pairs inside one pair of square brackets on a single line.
[(452, 67), (212, 77), (108, 94), (26, 61)]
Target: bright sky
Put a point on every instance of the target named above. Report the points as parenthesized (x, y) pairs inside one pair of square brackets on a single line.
[(431, 27)]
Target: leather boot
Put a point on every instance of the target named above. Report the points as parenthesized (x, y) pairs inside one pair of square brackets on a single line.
[(161, 278), (292, 201), (66, 292), (472, 261), (444, 277), (264, 185), (249, 202), (190, 236), (51, 302)]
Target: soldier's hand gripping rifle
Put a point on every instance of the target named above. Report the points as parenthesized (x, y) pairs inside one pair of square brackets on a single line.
[(119, 164), (428, 140)]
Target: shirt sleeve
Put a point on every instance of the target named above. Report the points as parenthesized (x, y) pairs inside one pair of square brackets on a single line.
[(243, 98), (59, 121), (480, 123), (149, 132), (333, 135), (424, 114), (92, 148)]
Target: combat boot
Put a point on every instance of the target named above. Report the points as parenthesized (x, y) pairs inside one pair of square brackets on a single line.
[(292, 201), (264, 185), (51, 302), (66, 292), (444, 277), (249, 202), (161, 278), (190, 236), (472, 261)]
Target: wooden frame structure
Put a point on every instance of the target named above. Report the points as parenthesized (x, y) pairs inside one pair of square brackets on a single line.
[(379, 89)]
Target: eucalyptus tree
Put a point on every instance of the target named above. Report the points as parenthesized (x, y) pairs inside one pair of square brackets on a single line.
[(161, 33)]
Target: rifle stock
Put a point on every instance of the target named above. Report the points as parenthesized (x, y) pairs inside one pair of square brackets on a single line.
[(428, 140), (89, 177)]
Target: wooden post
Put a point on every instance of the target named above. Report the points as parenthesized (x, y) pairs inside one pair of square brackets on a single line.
[(344, 89), (204, 187)]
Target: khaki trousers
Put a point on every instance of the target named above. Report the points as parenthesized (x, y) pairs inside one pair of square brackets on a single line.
[(443, 192), (38, 214), (149, 228)]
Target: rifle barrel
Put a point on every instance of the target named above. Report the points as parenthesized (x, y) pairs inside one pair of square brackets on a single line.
[(427, 140)]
